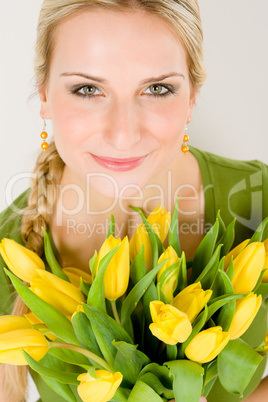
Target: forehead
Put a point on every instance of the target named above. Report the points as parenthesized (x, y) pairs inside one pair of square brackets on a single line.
[(102, 39)]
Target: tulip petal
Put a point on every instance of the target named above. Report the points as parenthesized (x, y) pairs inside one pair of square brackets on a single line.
[(245, 312), (11, 323), (207, 344), (65, 304), (12, 343), (101, 389), (234, 253), (20, 260), (74, 275), (62, 286), (247, 267), (116, 277)]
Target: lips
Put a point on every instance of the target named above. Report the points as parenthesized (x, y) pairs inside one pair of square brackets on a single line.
[(119, 165)]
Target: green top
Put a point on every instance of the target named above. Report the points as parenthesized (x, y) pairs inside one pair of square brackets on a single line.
[(239, 189)]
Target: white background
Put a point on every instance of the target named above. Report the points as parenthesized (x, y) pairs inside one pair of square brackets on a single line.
[(231, 114)]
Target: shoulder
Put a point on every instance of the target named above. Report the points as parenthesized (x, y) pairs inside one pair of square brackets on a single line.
[(239, 189), (223, 164), (10, 218)]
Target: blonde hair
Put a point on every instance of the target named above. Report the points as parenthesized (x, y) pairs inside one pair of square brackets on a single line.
[(183, 18)]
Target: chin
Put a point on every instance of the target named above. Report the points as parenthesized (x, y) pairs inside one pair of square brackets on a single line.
[(115, 187)]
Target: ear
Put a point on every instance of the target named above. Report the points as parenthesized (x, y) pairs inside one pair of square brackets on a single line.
[(44, 110), (192, 101)]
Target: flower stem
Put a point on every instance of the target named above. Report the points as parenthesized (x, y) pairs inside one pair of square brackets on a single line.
[(115, 312), (83, 351)]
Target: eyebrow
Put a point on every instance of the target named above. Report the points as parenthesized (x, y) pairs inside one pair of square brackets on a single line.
[(104, 81)]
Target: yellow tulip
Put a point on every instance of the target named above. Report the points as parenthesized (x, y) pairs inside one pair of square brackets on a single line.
[(159, 219), (247, 267), (20, 260), (245, 312), (16, 334), (170, 285), (170, 325), (99, 389), (116, 276), (265, 265), (192, 300), (63, 295), (207, 344), (74, 275), (234, 253)]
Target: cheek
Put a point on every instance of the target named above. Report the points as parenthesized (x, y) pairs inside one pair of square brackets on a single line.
[(70, 124), (170, 123)]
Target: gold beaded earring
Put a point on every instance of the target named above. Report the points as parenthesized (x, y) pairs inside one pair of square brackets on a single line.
[(43, 135), (184, 146)]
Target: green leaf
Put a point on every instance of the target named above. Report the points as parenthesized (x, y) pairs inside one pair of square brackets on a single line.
[(211, 371), (93, 265), (85, 287), (230, 270), (173, 235), (137, 292), (62, 390), (142, 392), (261, 233), (154, 382), (121, 395), (171, 352), (263, 290), (152, 236), (84, 332), (226, 315), (222, 228), (228, 238), (207, 388), (182, 279), (209, 273), (161, 372), (160, 295), (61, 376), (204, 252), (129, 361), (54, 319), (138, 268), (259, 280), (96, 296), (71, 357), (237, 363), (111, 228), (221, 301), (51, 259), (106, 330), (188, 380)]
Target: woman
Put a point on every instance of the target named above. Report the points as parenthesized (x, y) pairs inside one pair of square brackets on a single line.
[(119, 81)]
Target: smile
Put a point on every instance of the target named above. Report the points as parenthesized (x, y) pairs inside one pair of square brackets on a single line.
[(119, 165)]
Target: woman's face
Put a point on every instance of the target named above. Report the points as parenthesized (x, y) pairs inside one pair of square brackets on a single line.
[(117, 120)]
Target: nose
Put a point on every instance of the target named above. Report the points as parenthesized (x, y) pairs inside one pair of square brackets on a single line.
[(123, 126)]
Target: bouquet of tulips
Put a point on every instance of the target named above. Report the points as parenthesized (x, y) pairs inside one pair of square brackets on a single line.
[(143, 324)]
